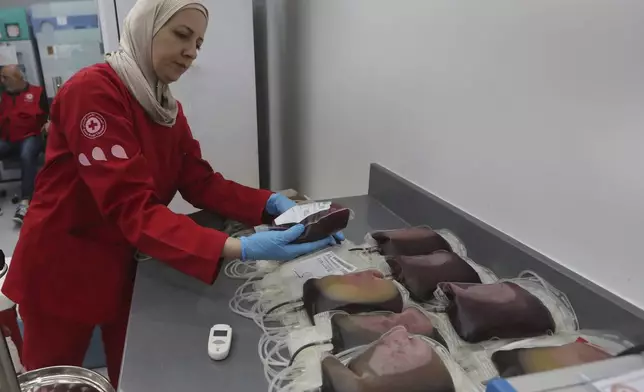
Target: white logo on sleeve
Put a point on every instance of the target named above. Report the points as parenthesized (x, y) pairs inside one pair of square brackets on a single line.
[(29, 97), (82, 158), (119, 152), (98, 154), (93, 125)]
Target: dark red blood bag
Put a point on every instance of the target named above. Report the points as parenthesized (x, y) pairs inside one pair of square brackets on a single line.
[(354, 330), (358, 292), (321, 224), (422, 274), (396, 362), (501, 310), (410, 241), (521, 361)]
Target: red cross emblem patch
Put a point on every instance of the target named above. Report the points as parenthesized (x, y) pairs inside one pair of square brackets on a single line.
[(93, 125)]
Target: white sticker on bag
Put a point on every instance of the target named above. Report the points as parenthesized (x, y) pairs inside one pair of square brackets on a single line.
[(302, 211), (325, 264)]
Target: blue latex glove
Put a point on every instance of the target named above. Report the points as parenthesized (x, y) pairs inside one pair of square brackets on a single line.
[(276, 245), (278, 204)]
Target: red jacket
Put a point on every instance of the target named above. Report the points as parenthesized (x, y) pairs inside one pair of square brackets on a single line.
[(109, 173), (21, 114)]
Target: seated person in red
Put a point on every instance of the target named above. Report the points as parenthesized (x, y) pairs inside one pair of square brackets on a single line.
[(23, 113)]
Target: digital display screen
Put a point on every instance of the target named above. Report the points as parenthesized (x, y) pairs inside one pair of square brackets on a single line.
[(219, 333)]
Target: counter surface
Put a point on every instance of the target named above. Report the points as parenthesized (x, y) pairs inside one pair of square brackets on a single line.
[(172, 313)]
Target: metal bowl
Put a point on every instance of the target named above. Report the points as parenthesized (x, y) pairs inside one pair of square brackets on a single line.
[(63, 379)]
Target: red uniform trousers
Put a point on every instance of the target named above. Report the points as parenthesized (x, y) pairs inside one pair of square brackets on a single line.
[(51, 341), (9, 320)]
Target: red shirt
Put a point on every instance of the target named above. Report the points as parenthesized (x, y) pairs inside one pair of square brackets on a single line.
[(110, 172), (22, 114)]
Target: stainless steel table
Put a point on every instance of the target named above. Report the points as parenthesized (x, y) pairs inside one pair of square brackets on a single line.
[(172, 314)]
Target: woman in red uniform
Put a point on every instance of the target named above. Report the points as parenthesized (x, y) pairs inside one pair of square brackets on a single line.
[(119, 149)]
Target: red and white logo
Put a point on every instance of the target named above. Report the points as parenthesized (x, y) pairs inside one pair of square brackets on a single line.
[(29, 97), (93, 125)]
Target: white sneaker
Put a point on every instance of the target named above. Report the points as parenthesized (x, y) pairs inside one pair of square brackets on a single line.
[(21, 211)]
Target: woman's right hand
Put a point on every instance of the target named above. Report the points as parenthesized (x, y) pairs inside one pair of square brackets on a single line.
[(276, 245)]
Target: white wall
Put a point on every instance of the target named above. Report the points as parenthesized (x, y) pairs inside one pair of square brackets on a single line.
[(528, 114), (218, 92), (25, 3)]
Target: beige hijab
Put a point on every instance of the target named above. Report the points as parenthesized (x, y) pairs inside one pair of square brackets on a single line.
[(133, 62)]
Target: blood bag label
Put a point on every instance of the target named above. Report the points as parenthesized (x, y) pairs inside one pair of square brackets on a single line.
[(629, 382), (301, 211), (327, 263)]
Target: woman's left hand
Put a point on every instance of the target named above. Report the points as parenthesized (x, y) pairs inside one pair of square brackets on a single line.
[(278, 204)]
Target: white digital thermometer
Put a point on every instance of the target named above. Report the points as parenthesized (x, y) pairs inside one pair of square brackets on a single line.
[(221, 336)]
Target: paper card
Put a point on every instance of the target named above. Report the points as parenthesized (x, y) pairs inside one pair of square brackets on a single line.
[(629, 382), (61, 20), (301, 211), (325, 264)]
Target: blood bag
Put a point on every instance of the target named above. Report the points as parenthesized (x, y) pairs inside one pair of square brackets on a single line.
[(357, 292), (339, 331), (397, 361), (501, 310), (276, 301), (421, 274), (410, 241), (349, 331), (540, 359), (543, 353), (321, 224)]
